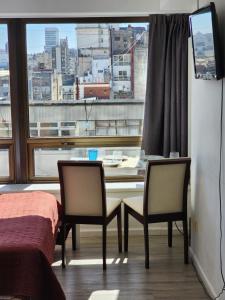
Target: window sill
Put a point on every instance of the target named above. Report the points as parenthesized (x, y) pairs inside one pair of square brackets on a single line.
[(55, 188)]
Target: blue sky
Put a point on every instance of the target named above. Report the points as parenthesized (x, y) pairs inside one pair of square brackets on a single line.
[(36, 35)]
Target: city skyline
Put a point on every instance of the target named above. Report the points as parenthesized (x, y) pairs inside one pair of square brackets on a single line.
[(36, 35), (108, 66)]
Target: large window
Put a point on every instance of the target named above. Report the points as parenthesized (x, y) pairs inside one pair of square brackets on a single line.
[(5, 111), (86, 81), (77, 86), (5, 107)]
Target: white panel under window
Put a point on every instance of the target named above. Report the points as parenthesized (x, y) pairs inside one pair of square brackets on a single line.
[(4, 162)]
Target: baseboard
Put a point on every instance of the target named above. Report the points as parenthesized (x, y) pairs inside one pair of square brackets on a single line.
[(205, 281)]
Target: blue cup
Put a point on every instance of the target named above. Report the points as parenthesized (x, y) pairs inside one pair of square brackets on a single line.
[(92, 154)]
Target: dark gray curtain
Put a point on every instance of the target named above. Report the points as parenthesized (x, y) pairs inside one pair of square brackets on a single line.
[(166, 107)]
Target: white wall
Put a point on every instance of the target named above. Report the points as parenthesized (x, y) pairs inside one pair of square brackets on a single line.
[(85, 8), (205, 136)]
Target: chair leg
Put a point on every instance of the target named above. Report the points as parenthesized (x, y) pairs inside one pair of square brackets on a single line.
[(185, 230), (104, 246), (170, 233), (119, 228), (63, 245), (146, 237), (126, 228), (74, 246)]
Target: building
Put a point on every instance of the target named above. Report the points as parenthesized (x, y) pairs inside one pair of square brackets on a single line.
[(122, 76), (51, 38), (60, 57), (95, 91), (4, 85), (4, 59), (92, 36), (68, 88), (45, 85), (140, 72), (86, 57), (101, 71), (122, 39)]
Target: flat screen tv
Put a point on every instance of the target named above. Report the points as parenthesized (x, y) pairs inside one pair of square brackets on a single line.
[(205, 42)]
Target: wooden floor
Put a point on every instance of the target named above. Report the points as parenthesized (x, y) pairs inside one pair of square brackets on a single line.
[(126, 278)]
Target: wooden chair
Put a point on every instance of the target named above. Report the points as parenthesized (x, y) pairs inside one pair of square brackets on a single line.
[(83, 198), (164, 200)]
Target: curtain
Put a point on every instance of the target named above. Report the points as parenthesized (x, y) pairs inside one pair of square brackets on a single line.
[(166, 106)]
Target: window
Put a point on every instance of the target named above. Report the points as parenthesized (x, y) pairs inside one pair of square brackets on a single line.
[(4, 162), (6, 143), (66, 63), (113, 160), (5, 103), (88, 61), (85, 89)]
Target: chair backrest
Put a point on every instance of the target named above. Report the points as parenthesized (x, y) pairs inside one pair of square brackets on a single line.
[(82, 188), (166, 185)]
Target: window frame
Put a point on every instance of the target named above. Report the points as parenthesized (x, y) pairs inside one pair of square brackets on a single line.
[(22, 146), (5, 142), (8, 144)]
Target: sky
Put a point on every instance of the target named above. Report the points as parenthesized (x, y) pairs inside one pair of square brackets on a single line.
[(36, 35)]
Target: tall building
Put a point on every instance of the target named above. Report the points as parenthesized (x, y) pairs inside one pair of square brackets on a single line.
[(122, 75), (64, 55), (122, 39), (92, 36), (51, 38), (140, 72), (126, 67), (60, 57)]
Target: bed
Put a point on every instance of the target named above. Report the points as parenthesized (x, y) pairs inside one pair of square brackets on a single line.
[(28, 227)]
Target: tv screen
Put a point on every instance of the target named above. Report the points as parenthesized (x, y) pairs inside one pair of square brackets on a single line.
[(205, 42)]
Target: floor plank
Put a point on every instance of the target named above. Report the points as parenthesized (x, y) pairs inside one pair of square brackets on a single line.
[(126, 278)]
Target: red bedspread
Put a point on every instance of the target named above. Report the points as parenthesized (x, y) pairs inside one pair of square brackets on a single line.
[(28, 224)]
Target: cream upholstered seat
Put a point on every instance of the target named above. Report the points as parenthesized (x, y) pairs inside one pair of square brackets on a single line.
[(112, 204), (165, 199), (84, 201), (136, 203)]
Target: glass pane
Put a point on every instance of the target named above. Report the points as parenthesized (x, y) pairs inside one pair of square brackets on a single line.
[(87, 79), (4, 162), (5, 106), (118, 161)]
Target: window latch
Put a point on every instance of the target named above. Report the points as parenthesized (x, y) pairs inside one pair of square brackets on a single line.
[(68, 143)]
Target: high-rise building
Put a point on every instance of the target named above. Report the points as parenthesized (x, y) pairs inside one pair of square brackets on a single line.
[(60, 57), (64, 55), (92, 36), (51, 38)]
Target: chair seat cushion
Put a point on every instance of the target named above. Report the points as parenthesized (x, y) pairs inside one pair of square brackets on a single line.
[(111, 204), (136, 203)]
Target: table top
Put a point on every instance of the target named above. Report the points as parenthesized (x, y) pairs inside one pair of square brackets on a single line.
[(55, 187)]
